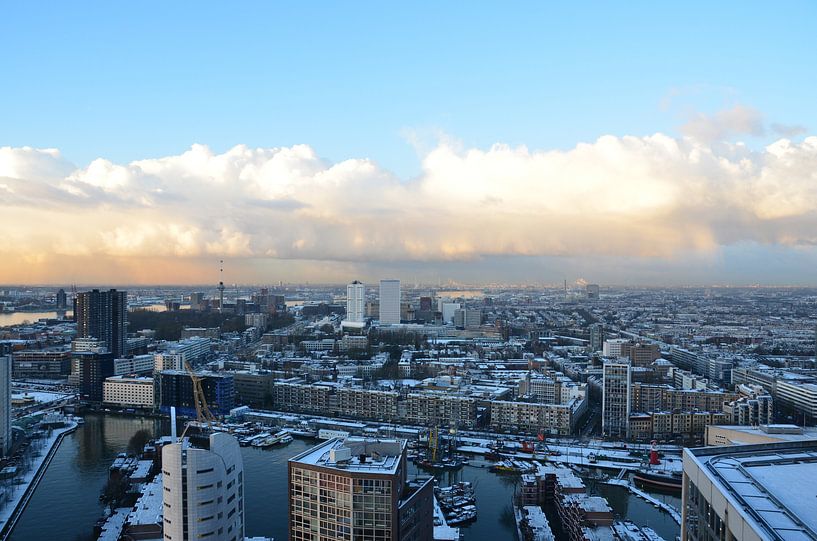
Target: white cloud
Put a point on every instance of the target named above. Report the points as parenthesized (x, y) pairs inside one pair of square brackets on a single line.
[(653, 196), (739, 120)]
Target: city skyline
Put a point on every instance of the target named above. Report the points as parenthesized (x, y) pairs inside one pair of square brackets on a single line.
[(476, 146)]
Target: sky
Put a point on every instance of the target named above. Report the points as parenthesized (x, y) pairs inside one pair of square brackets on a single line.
[(636, 144)]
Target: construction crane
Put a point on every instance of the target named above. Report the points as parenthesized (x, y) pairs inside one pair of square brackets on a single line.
[(433, 442), (203, 413)]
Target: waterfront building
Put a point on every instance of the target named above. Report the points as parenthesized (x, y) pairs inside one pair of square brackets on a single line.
[(103, 315), (253, 388), (301, 397), (536, 418), (203, 496), (689, 426), (440, 409), (94, 367), (389, 302), (128, 392), (355, 489), (355, 302), (41, 364), (5, 405), (750, 492), (615, 409), (174, 388), (367, 404)]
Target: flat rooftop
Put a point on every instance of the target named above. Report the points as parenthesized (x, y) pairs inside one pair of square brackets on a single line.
[(774, 484), (780, 432), (358, 455)]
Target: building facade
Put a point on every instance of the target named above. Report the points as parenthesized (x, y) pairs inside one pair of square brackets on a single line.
[(355, 302), (127, 392), (5, 405), (356, 490), (750, 492), (103, 315), (203, 496), (174, 388), (615, 408), (94, 367), (389, 302), (41, 364)]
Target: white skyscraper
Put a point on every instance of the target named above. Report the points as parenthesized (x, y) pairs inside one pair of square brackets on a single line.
[(389, 301), (355, 302), (5, 405), (203, 492)]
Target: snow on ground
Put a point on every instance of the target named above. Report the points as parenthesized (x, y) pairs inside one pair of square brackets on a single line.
[(19, 490), (41, 397)]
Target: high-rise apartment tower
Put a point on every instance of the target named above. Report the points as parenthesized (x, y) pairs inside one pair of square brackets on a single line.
[(103, 315), (355, 302)]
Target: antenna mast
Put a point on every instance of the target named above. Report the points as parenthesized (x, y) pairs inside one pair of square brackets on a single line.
[(220, 286)]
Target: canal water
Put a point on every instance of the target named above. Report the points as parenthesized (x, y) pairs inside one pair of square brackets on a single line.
[(67, 499)]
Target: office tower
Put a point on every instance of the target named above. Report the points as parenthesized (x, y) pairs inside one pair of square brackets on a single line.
[(615, 405), (5, 405), (363, 494), (203, 496), (389, 301), (596, 337), (93, 368), (174, 389), (103, 315), (592, 291), (355, 302), (62, 300), (750, 492)]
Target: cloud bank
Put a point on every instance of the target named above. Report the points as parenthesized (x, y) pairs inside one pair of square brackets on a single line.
[(639, 197)]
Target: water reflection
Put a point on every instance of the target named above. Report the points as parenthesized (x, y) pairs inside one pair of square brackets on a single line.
[(67, 499)]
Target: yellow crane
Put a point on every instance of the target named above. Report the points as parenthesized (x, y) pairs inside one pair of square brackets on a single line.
[(203, 413), (433, 442)]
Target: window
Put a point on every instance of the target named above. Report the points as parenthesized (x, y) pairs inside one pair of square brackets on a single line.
[(208, 470)]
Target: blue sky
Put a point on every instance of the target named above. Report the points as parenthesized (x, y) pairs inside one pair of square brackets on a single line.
[(126, 81), (642, 141)]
